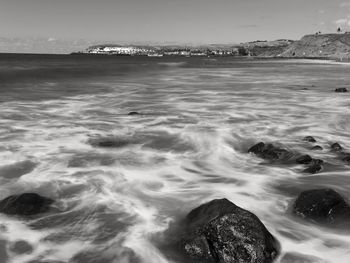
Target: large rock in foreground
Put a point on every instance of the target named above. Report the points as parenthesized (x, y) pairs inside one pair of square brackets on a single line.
[(25, 204), (221, 232), (324, 206)]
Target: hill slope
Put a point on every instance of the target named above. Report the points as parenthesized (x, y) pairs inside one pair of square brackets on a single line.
[(323, 46)]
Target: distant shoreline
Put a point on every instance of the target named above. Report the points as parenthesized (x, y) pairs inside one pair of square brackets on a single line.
[(321, 60)]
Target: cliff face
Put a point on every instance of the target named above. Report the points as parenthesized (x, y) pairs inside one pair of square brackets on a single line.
[(323, 46)]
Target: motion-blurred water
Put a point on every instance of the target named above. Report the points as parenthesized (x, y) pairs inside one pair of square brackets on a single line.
[(188, 146)]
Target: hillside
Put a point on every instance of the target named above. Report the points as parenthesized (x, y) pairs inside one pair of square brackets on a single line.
[(322, 46), (267, 48)]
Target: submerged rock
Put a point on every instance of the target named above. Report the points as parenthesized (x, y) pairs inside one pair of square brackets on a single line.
[(269, 151), (221, 232), (313, 169), (21, 247), (304, 159), (336, 147), (341, 90), (346, 158), (25, 204), (309, 139), (323, 206), (109, 142), (317, 147), (317, 161), (132, 113), (16, 170)]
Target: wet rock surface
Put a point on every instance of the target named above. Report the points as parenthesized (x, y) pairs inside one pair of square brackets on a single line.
[(221, 232), (25, 204), (324, 206)]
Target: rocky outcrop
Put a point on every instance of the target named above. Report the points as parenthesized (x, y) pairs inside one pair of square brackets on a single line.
[(324, 206), (25, 204), (221, 232)]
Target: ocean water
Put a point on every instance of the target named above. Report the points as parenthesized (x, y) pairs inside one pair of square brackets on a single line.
[(188, 146)]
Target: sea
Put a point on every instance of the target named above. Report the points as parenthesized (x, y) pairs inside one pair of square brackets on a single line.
[(188, 145)]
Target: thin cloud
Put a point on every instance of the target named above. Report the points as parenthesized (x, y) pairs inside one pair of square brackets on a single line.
[(343, 22), (345, 4), (249, 26)]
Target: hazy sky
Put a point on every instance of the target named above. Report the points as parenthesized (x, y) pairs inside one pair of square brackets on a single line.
[(181, 21)]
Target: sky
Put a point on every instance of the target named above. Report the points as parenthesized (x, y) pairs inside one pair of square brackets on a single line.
[(68, 25)]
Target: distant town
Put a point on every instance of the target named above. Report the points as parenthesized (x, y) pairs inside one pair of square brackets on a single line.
[(162, 51)]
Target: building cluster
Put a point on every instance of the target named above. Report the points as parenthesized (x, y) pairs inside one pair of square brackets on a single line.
[(132, 51), (162, 51)]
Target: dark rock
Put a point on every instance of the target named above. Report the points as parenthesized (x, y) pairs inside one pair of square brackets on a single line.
[(313, 169), (25, 204), (336, 147), (322, 206), (317, 161), (317, 147), (309, 139), (221, 232), (257, 148), (132, 113), (341, 90), (269, 151), (346, 158), (109, 142), (304, 159)]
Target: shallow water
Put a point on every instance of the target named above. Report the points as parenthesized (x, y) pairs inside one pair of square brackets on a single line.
[(188, 146)]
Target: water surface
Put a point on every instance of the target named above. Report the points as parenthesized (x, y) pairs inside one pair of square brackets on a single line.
[(188, 146)]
